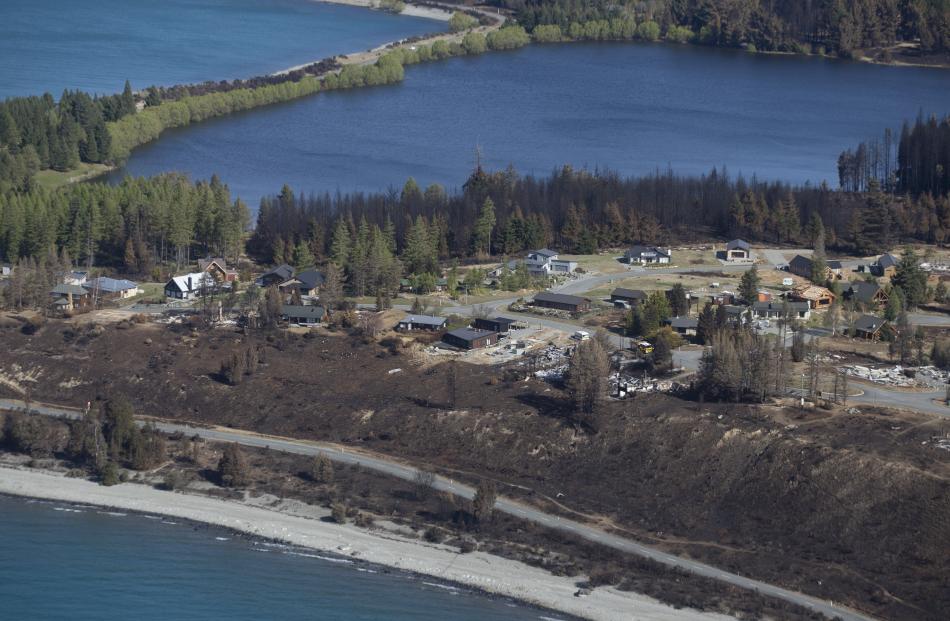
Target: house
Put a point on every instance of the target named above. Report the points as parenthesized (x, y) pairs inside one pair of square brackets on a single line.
[(835, 268), (189, 286), (501, 325), (75, 278), (112, 288), (279, 274), (776, 310), (868, 294), (68, 298), (738, 250), (868, 327), (307, 282), (647, 255), (630, 297), (420, 322), (735, 315), (817, 297), (560, 301), (886, 265), (218, 268), (6, 270), (470, 338), (305, 315), (545, 262), (763, 296), (683, 325)]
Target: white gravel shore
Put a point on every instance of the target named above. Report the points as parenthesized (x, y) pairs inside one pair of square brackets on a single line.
[(411, 10), (479, 570)]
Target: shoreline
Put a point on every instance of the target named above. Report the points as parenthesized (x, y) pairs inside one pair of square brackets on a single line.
[(411, 10), (483, 572)]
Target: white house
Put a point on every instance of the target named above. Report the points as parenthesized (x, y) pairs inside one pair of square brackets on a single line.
[(189, 286), (542, 262), (648, 255)]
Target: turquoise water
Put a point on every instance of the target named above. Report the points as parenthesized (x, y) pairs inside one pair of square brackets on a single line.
[(632, 108), (95, 45), (83, 563)]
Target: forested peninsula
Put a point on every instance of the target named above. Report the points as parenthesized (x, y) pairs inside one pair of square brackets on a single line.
[(80, 132)]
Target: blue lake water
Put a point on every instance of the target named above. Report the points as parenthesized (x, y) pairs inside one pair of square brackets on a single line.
[(56, 563), (95, 45), (628, 107)]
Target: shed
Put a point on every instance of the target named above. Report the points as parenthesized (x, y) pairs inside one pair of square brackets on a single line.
[(560, 301), (470, 338), (420, 322), (499, 324)]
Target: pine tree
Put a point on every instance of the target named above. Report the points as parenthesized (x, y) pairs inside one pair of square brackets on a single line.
[(340, 245), (749, 285)]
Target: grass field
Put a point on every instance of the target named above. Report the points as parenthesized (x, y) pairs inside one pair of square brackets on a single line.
[(51, 179)]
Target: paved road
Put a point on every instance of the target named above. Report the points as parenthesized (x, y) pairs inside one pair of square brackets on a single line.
[(511, 507)]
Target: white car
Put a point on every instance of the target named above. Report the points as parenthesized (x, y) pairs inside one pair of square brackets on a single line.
[(580, 335)]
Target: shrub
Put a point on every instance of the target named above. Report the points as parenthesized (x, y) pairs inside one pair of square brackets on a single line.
[(461, 21), (233, 469), (338, 513), (547, 33), (650, 31), (508, 38), (433, 535), (109, 475), (474, 43), (679, 34)]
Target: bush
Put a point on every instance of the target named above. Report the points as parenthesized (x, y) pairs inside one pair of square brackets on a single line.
[(109, 475), (233, 469), (508, 38), (433, 535), (474, 43), (466, 547), (547, 33), (461, 21), (679, 34), (649, 31), (338, 513)]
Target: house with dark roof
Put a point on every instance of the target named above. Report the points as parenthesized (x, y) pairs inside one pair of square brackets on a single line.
[(738, 250), (736, 315), (112, 288), (867, 294), (501, 325), (835, 268), (307, 282), (470, 338), (304, 315), (279, 274), (886, 265), (776, 310), (68, 298), (868, 327), (630, 297), (420, 322), (682, 325), (560, 301), (647, 255)]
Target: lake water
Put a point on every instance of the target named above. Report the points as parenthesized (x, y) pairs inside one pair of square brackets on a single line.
[(629, 107), (60, 563), (95, 45)]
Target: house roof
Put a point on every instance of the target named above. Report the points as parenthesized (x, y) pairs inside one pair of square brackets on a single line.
[(468, 334), (682, 323), (741, 244), (196, 279), (68, 289), (633, 294), (863, 291), (835, 265), (559, 298), (636, 251), (295, 311), (811, 292), (110, 285), (78, 274), (206, 262), (502, 321), (732, 309), (284, 272), (424, 320), (869, 323), (800, 261), (311, 279), (887, 260), (545, 252), (795, 307)]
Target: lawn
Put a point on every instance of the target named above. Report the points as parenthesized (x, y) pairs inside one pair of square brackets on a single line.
[(51, 179)]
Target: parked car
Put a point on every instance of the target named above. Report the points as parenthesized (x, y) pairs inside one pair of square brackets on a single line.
[(581, 335)]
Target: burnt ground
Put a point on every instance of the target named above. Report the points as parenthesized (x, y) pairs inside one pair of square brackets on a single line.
[(849, 507)]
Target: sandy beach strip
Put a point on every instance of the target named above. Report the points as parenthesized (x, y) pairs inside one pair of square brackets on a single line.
[(412, 10), (481, 571)]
